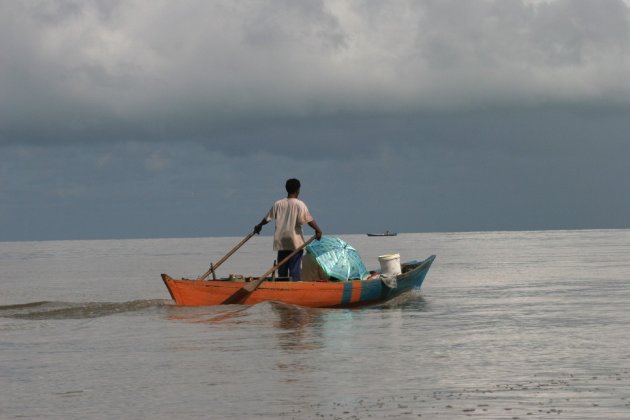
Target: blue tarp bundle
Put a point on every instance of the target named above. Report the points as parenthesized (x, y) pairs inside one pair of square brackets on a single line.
[(337, 258)]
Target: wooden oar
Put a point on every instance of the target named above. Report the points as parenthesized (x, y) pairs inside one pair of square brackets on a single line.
[(242, 293), (228, 255)]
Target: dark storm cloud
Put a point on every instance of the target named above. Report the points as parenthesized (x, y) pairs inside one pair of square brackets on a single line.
[(486, 170)]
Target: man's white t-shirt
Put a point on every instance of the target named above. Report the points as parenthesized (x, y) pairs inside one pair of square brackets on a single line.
[(290, 214)]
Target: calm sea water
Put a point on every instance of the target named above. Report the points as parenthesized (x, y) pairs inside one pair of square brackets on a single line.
[(506, 325)]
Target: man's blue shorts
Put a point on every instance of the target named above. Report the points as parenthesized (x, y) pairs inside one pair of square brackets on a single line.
[(293, 267)]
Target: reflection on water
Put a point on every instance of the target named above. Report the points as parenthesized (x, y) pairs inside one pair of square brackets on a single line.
[(205, 314), (302, 327)]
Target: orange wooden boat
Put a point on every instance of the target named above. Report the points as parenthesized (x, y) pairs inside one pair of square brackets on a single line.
[(317, 294)]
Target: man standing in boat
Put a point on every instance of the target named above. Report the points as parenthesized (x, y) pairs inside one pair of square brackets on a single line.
[(290, 214)]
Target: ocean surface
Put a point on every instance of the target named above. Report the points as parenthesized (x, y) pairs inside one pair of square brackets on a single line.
[(507, 325)]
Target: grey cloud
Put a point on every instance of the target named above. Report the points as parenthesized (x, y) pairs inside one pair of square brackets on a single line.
[(549, 34), (150, 70), (285, 24)]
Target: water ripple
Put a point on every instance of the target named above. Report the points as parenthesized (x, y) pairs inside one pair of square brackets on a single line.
[(67, 310)]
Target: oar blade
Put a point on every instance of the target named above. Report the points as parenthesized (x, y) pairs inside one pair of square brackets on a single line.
[(237, 297)]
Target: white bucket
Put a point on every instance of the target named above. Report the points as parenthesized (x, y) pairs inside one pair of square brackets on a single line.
[(390, 264)]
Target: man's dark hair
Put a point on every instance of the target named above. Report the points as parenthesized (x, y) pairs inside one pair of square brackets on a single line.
[(292, 185)]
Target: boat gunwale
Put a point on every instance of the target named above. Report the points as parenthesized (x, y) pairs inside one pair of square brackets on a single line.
[(286, 285)]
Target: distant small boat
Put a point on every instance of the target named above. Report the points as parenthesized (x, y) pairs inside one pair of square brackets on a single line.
[(386, 233)]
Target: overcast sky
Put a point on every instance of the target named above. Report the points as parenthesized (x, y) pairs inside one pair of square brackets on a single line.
[(154, 118)]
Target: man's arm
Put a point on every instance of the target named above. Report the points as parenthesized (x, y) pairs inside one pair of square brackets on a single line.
[(259, 226), (318, 231)]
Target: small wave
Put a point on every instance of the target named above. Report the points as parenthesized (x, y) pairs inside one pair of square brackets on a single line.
[(411, 299), (69, 310), (23, 305)]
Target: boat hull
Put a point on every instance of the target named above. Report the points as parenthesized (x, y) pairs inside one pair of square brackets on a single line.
[(317, 294)]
